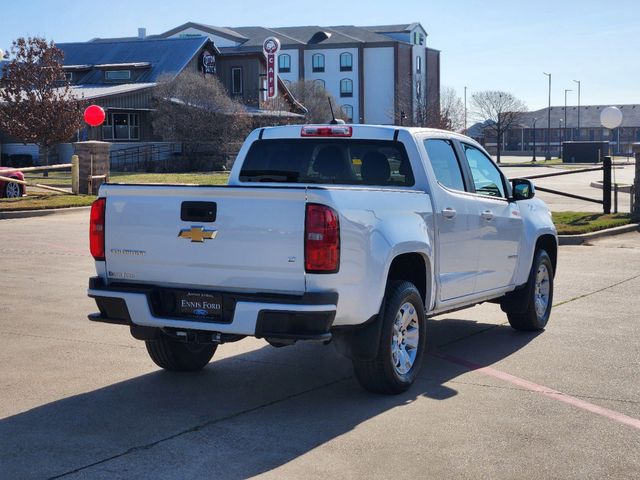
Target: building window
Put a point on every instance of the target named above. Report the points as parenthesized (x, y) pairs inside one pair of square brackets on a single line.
[(317, 61), (319, 83), (236, 80), (418, 89), (346, 62), (284, 63), (68, 76), (419, 64), (346, 88), (347, 111), (121, 126), (117, 75)]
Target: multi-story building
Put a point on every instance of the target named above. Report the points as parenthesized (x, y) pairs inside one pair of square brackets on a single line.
[(379, 74)]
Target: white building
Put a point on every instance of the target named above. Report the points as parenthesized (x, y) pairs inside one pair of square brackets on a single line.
[(379, 74)]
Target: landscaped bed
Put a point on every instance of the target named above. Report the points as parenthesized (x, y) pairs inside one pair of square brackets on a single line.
[(574, 223)]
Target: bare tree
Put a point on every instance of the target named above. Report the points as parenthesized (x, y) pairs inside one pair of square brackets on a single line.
[(502, 110), (451, 109), (198, 112), (315, 98), (36, 104)]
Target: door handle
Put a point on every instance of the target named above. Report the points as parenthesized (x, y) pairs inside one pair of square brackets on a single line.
[(487, 215), (448, 212)]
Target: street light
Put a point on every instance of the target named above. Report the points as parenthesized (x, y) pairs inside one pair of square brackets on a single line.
[(465, 110), (559, 141), (548, 156), (564, 133), (578, 82), (534, 139)]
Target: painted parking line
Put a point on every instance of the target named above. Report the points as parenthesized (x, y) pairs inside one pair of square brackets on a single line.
[(542, 390)]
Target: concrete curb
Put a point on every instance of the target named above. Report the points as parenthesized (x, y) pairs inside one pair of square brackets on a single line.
[(41, 213), (622, 187), (585, 237)]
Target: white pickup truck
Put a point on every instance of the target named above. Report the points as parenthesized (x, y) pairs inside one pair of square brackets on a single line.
[(349, 234)]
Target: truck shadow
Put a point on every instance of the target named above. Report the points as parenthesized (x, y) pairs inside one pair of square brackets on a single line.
[(241, 416)]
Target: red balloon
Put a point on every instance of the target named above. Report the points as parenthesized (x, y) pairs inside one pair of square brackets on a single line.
[(94, 115)]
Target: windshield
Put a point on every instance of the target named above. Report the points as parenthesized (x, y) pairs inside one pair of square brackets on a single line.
[(332, 161)]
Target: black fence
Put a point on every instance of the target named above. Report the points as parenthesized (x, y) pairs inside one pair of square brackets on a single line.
[(606, 184)]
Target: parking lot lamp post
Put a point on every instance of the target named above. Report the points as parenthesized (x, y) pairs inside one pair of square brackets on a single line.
[(534, 139), (548, 156), (564, 133), (560, 138), (578, 82)]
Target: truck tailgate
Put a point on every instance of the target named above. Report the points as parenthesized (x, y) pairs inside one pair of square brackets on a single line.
[(256, 244)]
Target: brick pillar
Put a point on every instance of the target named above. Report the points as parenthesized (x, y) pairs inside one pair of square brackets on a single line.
[(93, 160), (636, 182)]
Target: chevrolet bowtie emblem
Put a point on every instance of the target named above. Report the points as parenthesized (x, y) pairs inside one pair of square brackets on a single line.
[(197, 234)]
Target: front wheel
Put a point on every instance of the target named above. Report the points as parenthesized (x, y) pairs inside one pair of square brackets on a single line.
[(536, 298), (179, 356), (402, 343), (12, 190)]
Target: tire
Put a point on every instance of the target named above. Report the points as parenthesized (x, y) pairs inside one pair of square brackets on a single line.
[(536, 299), (12, 190), (386, 373), (178, 356)]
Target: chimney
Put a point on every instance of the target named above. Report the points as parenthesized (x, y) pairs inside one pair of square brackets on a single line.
[(142, 33)]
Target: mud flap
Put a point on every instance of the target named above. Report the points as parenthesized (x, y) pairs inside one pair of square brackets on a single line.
[(360, 342)]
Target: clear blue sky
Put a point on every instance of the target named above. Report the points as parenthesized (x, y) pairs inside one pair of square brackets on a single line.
[(490, 44)]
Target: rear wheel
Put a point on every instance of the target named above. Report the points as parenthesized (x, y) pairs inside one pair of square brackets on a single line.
[(532, 308), (177, 356), (12, 190), (402, 343)]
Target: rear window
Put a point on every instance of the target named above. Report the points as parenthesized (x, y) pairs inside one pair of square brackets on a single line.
[(340, 162)]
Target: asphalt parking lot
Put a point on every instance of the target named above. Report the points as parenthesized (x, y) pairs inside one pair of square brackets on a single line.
[(83, 400)]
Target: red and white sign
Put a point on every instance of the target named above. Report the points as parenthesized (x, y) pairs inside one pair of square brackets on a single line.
[(271, 47)]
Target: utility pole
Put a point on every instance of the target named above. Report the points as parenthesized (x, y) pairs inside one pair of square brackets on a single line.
[(465, 110), (548, 156), (578, 82)]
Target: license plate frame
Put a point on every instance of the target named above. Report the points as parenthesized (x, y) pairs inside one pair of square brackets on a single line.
[(199, 304)]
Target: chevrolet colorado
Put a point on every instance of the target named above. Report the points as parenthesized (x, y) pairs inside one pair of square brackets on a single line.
[(349, 234)]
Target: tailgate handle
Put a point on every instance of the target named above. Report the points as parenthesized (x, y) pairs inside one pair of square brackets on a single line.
[(198, 211)]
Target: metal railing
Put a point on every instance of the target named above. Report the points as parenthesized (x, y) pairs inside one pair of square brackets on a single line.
[(142, 156)]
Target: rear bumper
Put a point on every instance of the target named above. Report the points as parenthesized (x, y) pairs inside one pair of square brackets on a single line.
[(287, 317)]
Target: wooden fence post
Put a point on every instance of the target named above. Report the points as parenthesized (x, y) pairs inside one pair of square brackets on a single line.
[(75, 174)]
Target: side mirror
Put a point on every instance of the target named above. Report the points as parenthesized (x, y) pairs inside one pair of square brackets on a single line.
[(523, 189)]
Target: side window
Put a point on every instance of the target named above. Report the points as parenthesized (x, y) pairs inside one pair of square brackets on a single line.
[(445, 163), (486, 176)]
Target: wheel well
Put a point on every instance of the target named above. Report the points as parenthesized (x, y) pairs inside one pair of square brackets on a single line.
[(411, 267), (549, 244)]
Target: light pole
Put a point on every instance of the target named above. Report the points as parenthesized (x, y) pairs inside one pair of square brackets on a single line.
[(548, 156), (465, 110), (564, 133), (578, 82), (534, 139), (559, 141)]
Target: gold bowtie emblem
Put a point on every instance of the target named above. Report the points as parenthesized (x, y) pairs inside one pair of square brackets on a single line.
[(197, 234)]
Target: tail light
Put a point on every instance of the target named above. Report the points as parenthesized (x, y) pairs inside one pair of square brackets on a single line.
[(96, 228), (326, 131), (321, 239)]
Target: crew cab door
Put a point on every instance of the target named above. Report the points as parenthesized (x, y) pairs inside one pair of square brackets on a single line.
[(458, 229), (499, 220)]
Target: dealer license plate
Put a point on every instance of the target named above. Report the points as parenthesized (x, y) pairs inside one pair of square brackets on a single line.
[(200, 304)]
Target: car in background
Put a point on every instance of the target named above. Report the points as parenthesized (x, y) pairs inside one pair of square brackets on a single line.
[(11, 189)]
